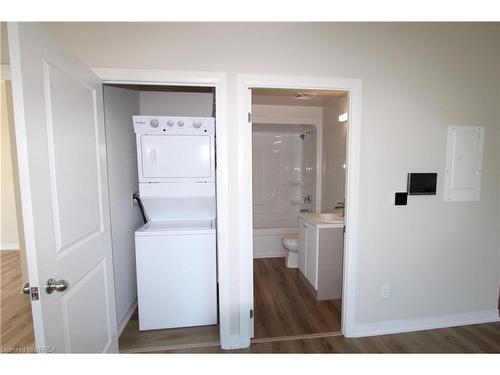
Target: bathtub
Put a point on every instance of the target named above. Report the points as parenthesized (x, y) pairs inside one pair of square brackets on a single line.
[(267, 234)]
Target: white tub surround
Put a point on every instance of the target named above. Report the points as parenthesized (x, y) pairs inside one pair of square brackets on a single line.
[(284, 174), (278, 168), (268, 232)]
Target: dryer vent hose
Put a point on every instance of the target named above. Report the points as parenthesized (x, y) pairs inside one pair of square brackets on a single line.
[(137, 198)]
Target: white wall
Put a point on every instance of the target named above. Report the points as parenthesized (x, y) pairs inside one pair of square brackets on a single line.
[(286, 113), (176, 103), (119, 106), (334, 152), (9, 233), (440, 258)]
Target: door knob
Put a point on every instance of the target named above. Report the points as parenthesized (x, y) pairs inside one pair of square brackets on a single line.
[(58, 286), (26, 288)]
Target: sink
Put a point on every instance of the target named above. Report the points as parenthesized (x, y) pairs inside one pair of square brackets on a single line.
[(329, 217)]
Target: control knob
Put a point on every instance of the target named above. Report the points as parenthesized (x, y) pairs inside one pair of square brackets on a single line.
[(170, 123), (196, 124), (180, 123), (154, 123)]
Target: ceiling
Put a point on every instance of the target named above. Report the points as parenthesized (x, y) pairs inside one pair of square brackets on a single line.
[(287, 97)]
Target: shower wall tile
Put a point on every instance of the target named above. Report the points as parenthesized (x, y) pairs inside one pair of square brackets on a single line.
[(277, 167)]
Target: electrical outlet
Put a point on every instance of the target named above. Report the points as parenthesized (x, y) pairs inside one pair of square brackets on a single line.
[(385, 291)]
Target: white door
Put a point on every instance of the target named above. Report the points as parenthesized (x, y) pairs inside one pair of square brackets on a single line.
[(247, 302), (61, 152)]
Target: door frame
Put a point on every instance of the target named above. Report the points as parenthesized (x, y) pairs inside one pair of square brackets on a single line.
[(208, 79), (353, 153)]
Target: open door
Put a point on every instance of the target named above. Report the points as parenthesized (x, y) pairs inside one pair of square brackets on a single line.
[(252, 317), (59, 125), (246, 275)]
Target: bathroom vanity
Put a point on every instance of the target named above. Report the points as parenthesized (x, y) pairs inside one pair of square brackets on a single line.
[(321, 243)]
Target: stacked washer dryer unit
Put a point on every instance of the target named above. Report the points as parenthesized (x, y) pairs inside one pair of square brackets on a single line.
[(176, 248)]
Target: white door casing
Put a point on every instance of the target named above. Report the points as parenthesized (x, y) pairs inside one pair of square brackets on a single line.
[(353, 152), (228, 309), (59, 125)]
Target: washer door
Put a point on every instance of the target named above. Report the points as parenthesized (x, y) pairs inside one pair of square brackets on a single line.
[(178, 157)]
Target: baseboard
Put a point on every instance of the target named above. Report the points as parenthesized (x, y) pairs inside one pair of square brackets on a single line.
[(126, 318), (435, 322), (9, 246)]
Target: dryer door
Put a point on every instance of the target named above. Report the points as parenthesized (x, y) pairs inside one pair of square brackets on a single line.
[(173, 158)]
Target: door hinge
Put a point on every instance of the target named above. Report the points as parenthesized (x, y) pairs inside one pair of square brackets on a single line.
[(251, 313), (34, 293), (344, 228), (249, 117)]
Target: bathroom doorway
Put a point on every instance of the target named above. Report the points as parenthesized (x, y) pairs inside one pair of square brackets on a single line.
[(298, 172)]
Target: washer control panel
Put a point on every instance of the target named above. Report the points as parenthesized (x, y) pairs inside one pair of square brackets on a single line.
[(171, 124)]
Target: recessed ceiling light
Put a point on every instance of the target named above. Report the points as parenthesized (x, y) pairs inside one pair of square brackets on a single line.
[(304, 95)]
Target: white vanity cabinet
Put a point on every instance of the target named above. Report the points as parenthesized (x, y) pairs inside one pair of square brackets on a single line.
[(321, 245), (308, 251), (302, 245)]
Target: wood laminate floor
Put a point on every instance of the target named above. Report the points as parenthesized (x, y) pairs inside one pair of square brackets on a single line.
[(16, 325), (284, 305), (479, 338), (288, 320), (134, 341)]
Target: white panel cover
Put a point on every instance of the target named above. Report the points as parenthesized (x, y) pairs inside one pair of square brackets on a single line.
[(463, 163)]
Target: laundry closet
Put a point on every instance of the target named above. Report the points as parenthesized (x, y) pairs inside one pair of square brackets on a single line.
[(160, 146)]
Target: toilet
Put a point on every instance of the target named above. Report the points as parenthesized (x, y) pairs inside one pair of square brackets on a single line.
[(291, 244)]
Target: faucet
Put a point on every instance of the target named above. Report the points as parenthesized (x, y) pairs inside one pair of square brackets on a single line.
[(340, 206)]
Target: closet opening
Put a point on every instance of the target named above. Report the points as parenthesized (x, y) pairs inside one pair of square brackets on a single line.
[(161, 156)]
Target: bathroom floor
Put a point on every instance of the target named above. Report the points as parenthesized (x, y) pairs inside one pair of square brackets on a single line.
[(284, 305)]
